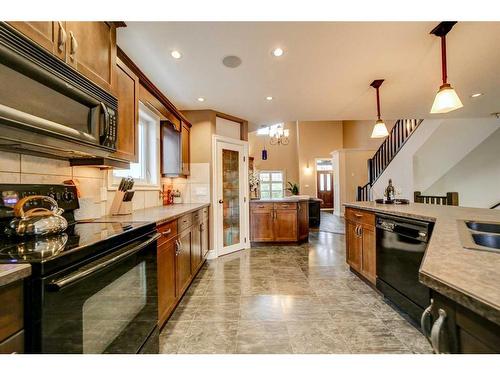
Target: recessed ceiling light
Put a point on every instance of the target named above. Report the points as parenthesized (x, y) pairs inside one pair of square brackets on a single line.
[(277, 52), (476, 95), (200, 99), (269, 98), (176, 54)]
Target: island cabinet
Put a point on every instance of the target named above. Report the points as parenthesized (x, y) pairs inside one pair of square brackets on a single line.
[(89, 47), (360, 243), (453, 328), (279, 221), (12, 318), (182, 250)]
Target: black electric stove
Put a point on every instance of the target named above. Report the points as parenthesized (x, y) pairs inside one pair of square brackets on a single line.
[(93, 288)]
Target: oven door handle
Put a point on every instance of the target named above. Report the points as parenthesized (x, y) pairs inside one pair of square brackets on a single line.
[(67, 280)]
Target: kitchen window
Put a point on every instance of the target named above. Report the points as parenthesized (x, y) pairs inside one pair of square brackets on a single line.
[(271, 184), (146, 172)]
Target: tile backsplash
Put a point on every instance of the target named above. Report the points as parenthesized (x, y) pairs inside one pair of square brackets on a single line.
[(195, 188), (28, 169)]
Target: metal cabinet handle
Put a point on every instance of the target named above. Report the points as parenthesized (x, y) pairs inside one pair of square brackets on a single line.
[(177, 247), (167, 232), (73, 46), (437, 332), (426, 323), (359, 216), (62, 37)]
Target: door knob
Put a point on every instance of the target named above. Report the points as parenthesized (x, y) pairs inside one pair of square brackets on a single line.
[(221, 201)]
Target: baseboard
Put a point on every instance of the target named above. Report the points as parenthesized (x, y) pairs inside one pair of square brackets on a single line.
[(212, 254)]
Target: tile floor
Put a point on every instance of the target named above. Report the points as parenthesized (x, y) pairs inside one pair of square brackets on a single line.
[(294, 299)]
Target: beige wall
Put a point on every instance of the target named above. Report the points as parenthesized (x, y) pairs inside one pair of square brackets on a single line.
[(357, 134), (280, 157), (201, 135), (316, 139)]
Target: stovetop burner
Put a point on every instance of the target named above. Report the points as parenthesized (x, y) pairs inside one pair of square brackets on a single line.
[(44, 248)]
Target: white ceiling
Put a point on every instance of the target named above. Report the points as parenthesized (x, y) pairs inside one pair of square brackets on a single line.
[(326, 69)]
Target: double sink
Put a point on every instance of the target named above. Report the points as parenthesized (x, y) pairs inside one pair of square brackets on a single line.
[(480, 235)]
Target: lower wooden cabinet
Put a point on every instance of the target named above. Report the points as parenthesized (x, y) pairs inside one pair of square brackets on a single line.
[(279, 222), (182, 249), (183, 261), (12, 318), (360, 243), (460, 330)]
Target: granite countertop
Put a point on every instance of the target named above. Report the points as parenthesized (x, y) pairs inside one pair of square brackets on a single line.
[(290, 199), (13, 272), (469, 277), (158, 215)]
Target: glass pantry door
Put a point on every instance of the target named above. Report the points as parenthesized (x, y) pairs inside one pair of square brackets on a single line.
[(231, 169)]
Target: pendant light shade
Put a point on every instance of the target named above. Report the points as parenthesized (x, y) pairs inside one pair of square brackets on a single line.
[(446, 99), (379, 129)]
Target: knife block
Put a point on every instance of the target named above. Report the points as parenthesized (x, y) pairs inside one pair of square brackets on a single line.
[(118, 206)]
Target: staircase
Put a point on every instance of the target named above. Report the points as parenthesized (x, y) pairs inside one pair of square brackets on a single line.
[(396, 139)]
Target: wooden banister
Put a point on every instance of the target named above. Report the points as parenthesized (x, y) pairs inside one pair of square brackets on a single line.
[(450, 199)]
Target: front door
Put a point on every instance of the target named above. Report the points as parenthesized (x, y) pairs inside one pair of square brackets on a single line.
[(231, 197), (325, 188)]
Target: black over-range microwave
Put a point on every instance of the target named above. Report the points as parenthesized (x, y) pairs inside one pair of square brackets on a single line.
[(48, 107)]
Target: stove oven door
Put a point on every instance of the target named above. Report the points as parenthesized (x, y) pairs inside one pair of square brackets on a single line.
[(106, 306)]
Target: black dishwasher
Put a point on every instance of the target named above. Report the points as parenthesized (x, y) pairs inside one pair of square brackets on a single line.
[(401, 245)]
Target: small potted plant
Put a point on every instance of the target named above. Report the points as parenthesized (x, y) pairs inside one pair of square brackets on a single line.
[(293, 188)]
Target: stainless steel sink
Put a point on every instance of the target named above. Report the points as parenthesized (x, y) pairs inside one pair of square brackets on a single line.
[(483, 227), (477, 235), (487, 240)]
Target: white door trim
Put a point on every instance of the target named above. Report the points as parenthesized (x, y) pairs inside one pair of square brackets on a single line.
[(216, 212)]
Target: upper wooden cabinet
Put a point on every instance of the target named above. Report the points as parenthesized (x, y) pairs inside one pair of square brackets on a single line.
[(127, 89), (185, 141), (90, 47)]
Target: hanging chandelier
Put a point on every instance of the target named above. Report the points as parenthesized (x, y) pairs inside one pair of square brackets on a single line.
[(278, 135), (446, 99), (379, 129)]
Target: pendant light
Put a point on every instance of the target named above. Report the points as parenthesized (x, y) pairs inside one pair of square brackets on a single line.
[(379, 129), (446, 99)]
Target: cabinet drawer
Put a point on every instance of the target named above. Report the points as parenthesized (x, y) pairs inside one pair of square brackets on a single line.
[(285, 206), (360, 216), (14, 344), (197, 216), (261, 206), (167, 231), (204, 214), (11, 309), (185, 222)]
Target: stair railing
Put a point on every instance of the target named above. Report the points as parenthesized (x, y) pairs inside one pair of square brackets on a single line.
[(450, 199), (394, 142)]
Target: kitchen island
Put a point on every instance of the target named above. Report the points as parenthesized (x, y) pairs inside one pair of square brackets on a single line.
[(464, 282), (279, 220)]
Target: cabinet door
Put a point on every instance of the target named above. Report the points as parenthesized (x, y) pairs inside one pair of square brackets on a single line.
[(353, 246), (204, 239), (261, 222), (368, 264), (91, 49), (126, 88), (303, 213), (285, 225), (196, 255), (185, 149), (167, 293), (51, 35), (183, 262)]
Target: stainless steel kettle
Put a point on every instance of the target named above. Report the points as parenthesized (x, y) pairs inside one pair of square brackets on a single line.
[(38, 221)]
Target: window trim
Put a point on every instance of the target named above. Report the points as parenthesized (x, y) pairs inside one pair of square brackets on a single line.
[(271, 171), (153, 156)]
